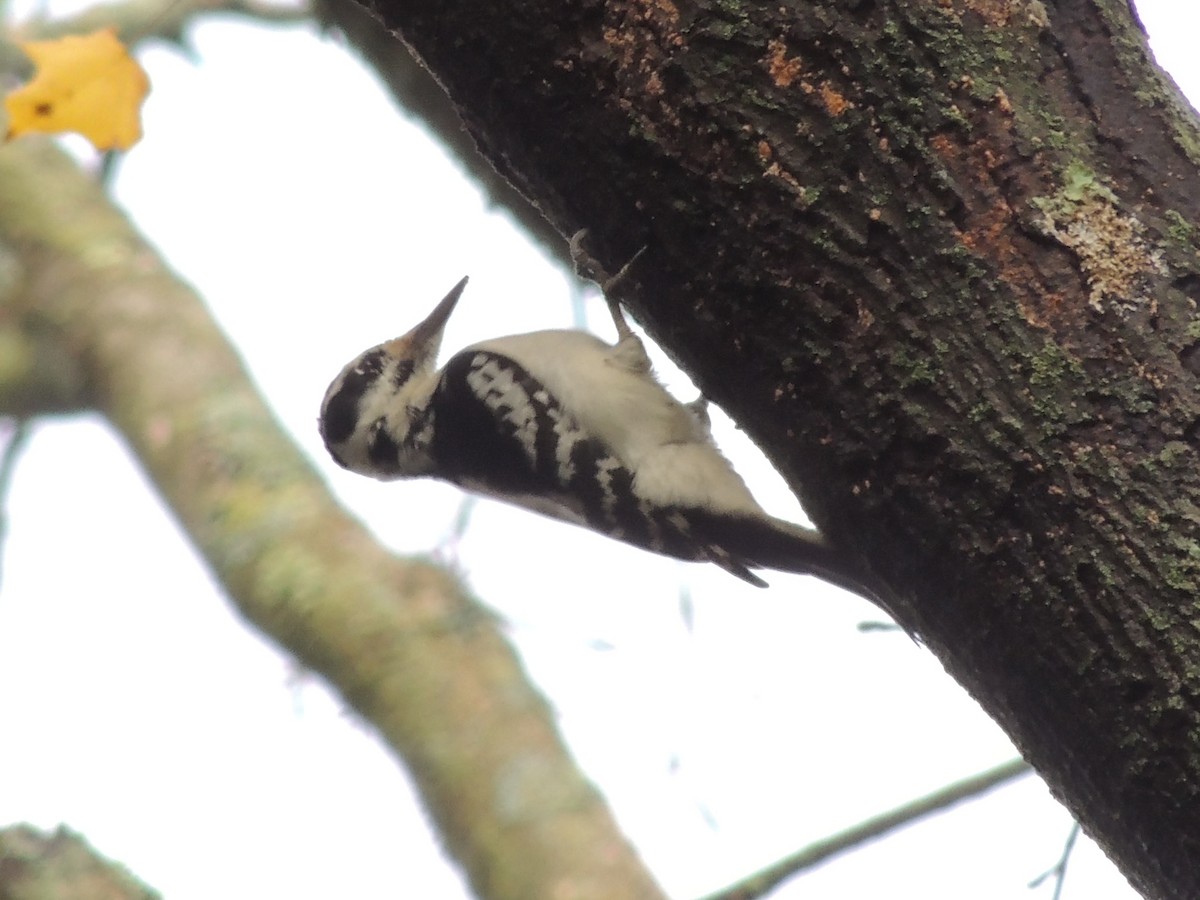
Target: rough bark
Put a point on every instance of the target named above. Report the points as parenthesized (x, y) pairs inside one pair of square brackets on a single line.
[(84, 296), (938, 259)]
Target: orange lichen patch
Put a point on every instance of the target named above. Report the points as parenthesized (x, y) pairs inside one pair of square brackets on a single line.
[(996, 13), (1119, 266), (784, 69), (835, 103), (649, 29), (1003, 102), (992, 232), (775, 170), (866, 318), (664, 8), (1000, 13), (640, 42)]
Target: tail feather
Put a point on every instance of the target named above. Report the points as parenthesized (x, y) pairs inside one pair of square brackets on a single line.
[(739, 544)]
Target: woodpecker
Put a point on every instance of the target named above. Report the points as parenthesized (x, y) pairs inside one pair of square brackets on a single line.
[(567, 425)]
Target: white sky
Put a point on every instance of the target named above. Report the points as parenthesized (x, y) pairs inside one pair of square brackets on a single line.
[(135, 707)]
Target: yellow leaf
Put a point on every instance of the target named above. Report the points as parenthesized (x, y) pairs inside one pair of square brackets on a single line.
[(88, 84)]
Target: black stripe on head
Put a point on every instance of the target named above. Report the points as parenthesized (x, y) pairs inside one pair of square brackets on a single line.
[(339, 415), (381, 448)]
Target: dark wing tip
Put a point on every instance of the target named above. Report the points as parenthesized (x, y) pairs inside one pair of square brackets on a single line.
[(733, 566)]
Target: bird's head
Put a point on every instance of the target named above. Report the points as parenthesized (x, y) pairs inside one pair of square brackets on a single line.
[(370, 409)]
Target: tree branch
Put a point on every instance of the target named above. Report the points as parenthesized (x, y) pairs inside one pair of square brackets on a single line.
[(400, 640), (138, 20), (763, 882), (60, 866)]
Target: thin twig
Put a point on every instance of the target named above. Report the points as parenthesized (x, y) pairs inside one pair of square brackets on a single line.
[(16, 442), (876, 626), (1059, 871), (136, 20), (760, 883), (447, 549)]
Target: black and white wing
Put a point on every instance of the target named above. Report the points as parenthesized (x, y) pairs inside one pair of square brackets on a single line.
[(496, 430)]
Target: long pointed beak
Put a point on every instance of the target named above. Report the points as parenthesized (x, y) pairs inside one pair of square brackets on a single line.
[(426, 337)]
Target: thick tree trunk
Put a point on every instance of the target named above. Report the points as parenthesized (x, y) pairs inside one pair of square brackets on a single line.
[(938, 259)]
